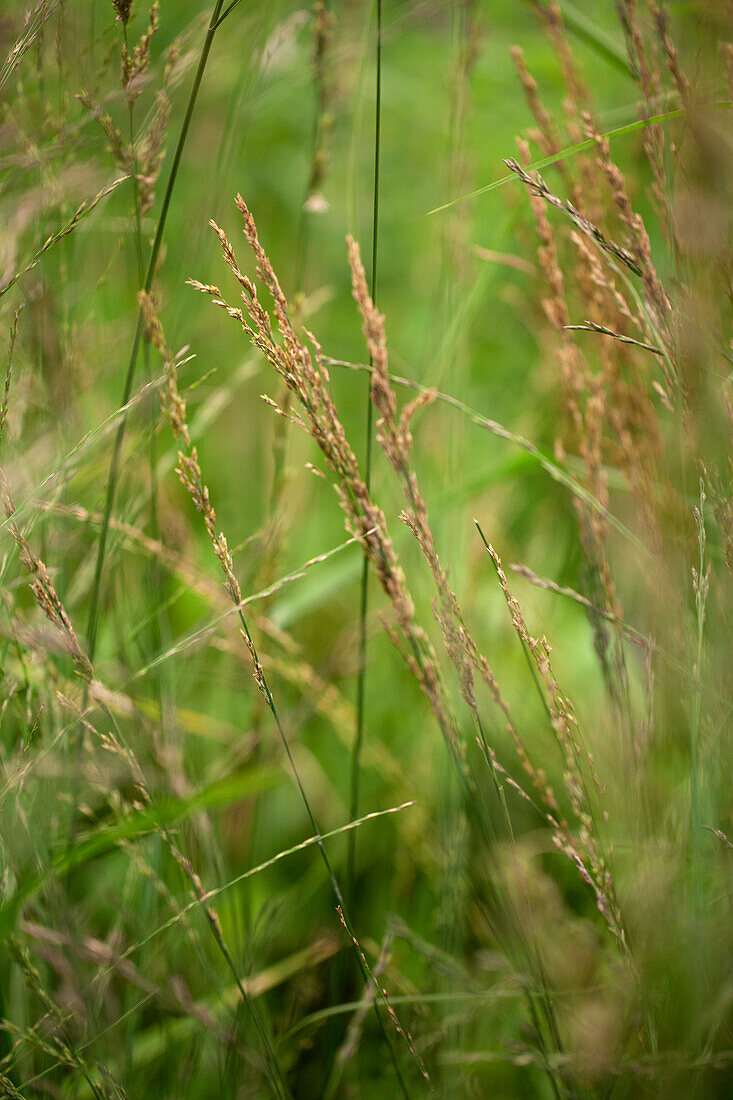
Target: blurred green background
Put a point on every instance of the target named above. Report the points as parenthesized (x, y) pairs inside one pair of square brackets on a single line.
[(461, 290)]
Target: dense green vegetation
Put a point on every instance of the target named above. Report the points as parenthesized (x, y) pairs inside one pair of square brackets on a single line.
[(267, 828)]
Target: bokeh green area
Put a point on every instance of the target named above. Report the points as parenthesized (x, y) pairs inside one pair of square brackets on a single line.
[(461, 289)]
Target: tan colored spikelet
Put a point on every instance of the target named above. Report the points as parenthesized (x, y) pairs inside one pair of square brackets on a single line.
[(308, 381)]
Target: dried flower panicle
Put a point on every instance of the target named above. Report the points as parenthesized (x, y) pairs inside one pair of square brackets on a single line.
[(150, 151), (135, 64), (537, 185), (612, 386), (396, 441), (393, 435), (122, 10), (584, 397), (581, 844), (584, 847), (654, 293), (142, 158), (308, 381), (298, 366)]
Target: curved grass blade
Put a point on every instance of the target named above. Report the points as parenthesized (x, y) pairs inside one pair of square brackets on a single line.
[(68, 227), (572, 151), (34, 25)]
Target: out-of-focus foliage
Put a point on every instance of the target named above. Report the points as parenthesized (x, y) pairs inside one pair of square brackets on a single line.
[(545, 912)]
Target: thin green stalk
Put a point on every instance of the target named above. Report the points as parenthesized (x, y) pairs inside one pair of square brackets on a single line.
[(549, 1010), (573, 150), (161, 636), (228, 11), (93, 621), (364, 589), (319, 839), (594, 36), (701, 579)]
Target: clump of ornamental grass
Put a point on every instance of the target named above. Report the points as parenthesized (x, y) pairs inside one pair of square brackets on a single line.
[(562, 887), (646, 399), (611, 414), (317, 416)]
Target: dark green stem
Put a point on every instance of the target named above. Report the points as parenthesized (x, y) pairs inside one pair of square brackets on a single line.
[(114, 466), (364, 590)]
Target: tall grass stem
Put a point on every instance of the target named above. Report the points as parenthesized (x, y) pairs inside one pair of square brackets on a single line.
[(114, 467), (364, 586)]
